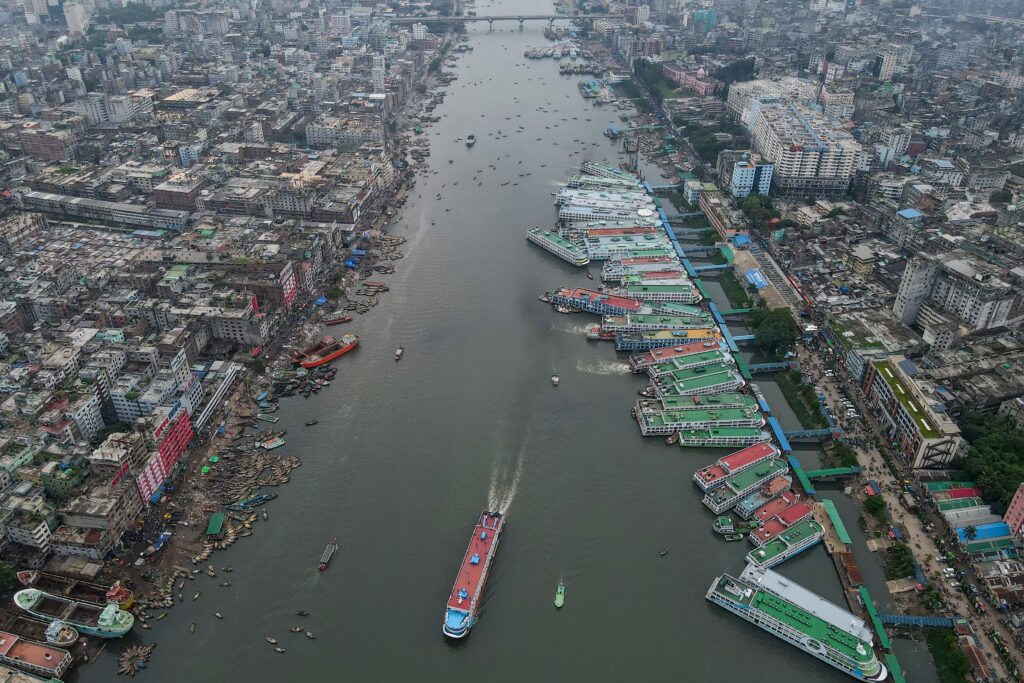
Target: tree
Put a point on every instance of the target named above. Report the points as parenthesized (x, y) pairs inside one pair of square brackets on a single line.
[(8, 577), (970, 532), (995, 459), (258, 366), (876, 506), (333, 293), (1000, 196), (774, 330)]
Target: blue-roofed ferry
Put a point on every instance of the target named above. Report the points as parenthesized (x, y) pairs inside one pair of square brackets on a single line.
[(460, 614)]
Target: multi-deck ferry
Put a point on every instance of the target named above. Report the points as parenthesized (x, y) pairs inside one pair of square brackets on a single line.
[(714, 475), (744, 483), (802, 619), (641, 361), (93, 620), (793, 541), (769, 492), (777, 525), (655, 420), (560, 247), (464, 601)]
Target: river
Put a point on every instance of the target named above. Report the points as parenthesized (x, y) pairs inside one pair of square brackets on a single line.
[(406, 455)]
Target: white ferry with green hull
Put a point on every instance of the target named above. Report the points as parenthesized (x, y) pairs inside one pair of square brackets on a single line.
[(802, 619), (569, 252)]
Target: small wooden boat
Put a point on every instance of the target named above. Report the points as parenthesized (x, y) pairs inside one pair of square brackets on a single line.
[(279, 650), (161, 616), (272, 641), (671, 440), (310, 423), (733, 537), (225, 569), (218, 615), (560, 596), (196, 596), (398, 353), (664, 552), (310, 635), (265, 516), (296, 629), (225, 584), (302, 613), (192, 627), (181, 598), (146, 626), (590, 276)]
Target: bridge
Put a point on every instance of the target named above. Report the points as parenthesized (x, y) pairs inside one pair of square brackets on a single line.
[(712, 266), (914, 620), (833, 472), (735, 311), (490, 19), (768, 367), (813, 434)]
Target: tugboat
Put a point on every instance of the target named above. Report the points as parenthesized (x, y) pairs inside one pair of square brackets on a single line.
[(329, 551), (398, 353), (554, 377), (560, 596)]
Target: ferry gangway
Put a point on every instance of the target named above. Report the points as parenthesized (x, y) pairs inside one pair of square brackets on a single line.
[(834, 472), (702, 247), (692, 214), (798, 470), (744, 337), (664, 187), (915, 620), (768, 367), (735, 311), (712, 266), (813, 434)]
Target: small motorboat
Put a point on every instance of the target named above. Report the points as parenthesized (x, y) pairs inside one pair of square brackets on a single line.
[(590, 276), (181, 584), (302, 613), (672, 439), (225, 584), (664, 552), (272, 641), (218, 615), (296, 629), (196, 596), (733, 537), (161, 616), (192, 627), (310, 423), (146, 626), (225, 569), (554, 378), (560, 596), (266, 516), (181, 598), (398, 353), (279, 650), (310, 635)]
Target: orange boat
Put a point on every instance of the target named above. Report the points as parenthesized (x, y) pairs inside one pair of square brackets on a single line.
[(326, 350)]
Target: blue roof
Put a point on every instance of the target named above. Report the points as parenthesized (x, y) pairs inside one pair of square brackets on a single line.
[(908, 367), (740, 239), (944, 163), (910, 213)]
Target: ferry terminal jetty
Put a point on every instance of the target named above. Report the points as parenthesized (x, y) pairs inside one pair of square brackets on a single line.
[(651, 303)]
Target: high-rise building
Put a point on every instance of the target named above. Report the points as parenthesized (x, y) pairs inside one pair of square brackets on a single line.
[(419, 31), (885, 65), (750, 174), (811, 155)]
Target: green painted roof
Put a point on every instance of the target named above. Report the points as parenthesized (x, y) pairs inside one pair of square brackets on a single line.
[(215, 525), (731, 400), (751, 476), (837, 521), (909, 403), (958, 504), (947, 485)]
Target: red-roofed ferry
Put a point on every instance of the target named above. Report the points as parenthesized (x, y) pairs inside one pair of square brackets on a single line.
[(460, 614)]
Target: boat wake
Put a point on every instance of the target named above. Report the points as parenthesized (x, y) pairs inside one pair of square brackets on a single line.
[(505, 482), (604, 367), (578, 329)]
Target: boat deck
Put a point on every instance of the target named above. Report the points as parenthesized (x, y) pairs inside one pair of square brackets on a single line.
[(774, 507), (470, 574)]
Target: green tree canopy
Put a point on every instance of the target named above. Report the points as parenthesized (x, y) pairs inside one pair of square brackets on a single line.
[(995, 460), (774, 330)]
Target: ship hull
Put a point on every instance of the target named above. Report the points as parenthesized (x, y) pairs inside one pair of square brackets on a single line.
[(23, 600), (328, 356)]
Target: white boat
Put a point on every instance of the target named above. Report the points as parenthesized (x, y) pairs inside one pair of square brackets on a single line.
[(554, 378), (398, 353)]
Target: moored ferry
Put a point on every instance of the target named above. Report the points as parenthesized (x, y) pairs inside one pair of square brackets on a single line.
[(742, 484), (722, 436), (777, 525), (779, 486), (641, 361), (464, 601), (92, 620), (802, 619), (655, 420), (714, 475), (324, 351), (559, 246), (794, 541)]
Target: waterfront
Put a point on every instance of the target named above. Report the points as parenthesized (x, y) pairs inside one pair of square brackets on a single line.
[(405, 456)]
